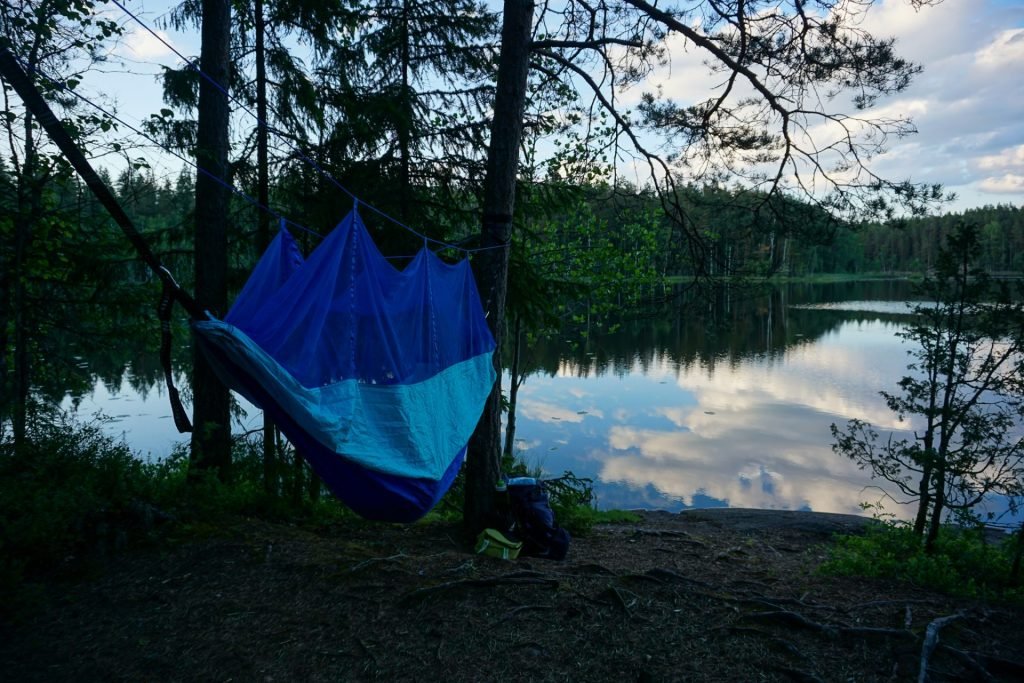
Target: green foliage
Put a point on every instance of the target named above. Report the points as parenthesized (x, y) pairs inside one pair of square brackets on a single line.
[(207, 499), (576, 266), (390, 98), (572, 500), (575, 505), (962, 564), (963, 390), (68, 496)]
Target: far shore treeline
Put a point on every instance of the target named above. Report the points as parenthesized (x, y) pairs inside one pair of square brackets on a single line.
[(742, 241)]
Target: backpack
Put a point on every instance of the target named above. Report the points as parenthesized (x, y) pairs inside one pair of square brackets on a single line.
[(535, 520)]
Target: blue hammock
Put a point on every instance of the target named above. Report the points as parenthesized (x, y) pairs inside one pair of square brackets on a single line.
[(378, 376)]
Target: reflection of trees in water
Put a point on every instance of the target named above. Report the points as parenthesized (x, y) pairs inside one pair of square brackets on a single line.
[(726, 326), (109, 349)]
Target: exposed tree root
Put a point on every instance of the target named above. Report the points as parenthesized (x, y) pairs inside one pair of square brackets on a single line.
[(779, 644), (375, 561), (683, 536), (794, 619), (991, 665), (618, 610), (931, 639), (669, 576)]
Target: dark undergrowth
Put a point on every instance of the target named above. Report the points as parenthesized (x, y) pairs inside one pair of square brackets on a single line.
[(966, 562), (72, 496)]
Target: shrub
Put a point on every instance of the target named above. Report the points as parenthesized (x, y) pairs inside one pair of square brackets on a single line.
[(962, 563), (572, 500), (69, 495)]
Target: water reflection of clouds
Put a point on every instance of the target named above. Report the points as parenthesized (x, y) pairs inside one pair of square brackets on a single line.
[(890, 307), (141, 421), (839, 384), (543, 411), (793, 467), (751, 434), (738, 484), (526, 445)]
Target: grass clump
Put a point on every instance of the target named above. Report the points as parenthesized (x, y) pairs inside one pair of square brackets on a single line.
[(963, 563)]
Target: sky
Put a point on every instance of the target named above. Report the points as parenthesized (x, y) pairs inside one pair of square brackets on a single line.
[(967, 105)]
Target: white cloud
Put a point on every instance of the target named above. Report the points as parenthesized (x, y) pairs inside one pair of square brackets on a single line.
[(763, 457), (1010, 158), (142, 45), (929, 34), (548, 412), (973, 119), (523, 445), (1005, 51), (741, 483), (1010, 183), (685, 78)]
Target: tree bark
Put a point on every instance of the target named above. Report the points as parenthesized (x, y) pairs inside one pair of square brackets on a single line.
[(29, 193), (262, 154), (1017, 554), (27, 215), (513, 389), (938, 506), (211, 439), (405, 119), (483, 465), (263, 224), (924, 501), (6, 404)]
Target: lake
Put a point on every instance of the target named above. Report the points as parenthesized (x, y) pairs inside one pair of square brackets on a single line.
[(727, 402)]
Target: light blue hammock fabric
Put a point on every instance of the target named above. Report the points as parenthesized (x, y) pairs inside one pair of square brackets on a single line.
[(377, 375)]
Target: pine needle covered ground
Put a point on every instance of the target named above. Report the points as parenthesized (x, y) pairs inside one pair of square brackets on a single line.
[(722, 595)]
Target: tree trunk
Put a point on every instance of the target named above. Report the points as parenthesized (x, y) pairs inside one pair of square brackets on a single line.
[(23, 231), (211, 440), (297, 477), (924, 490), (6, 405), (938, 506), (263, 224), (948, 373), (924, 500), (1017, 553), (513, 390), (29, 201), (483, 464), (405, 119)]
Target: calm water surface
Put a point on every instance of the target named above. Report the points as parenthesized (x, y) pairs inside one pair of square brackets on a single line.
[(727, 403), (733, 411)]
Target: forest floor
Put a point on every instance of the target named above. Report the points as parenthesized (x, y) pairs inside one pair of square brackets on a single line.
[(713, 595)]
